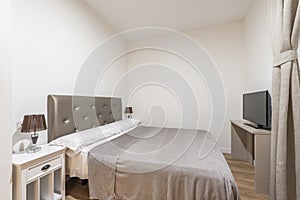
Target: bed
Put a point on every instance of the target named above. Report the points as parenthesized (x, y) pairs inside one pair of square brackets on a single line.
[(137, 162)]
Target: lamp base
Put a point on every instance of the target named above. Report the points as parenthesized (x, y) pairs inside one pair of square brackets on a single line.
[(33, 149)]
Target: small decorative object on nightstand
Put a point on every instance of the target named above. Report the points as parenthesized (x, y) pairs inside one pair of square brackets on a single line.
[(129, 111), (31, 124), (40, 175)]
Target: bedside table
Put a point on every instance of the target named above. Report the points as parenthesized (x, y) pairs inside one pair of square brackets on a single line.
[(39, 175)]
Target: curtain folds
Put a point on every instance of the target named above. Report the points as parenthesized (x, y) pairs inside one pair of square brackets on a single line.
[(285, 144)]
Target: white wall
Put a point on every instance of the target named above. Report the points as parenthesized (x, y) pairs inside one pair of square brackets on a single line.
[(258, 71), (5, 100), (225, 46), (51, 40)]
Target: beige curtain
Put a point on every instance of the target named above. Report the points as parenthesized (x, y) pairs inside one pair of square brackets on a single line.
[(285, 148)]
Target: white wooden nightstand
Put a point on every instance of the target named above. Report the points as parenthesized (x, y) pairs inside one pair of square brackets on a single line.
[(39, 175)]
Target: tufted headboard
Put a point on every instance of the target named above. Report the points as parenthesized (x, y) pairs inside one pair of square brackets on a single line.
[(69, 114)]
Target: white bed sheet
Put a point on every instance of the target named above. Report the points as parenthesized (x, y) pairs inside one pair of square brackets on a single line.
[(77, 162)]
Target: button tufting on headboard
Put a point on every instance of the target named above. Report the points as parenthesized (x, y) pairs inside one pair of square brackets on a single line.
[(66, 121), (68, 114)]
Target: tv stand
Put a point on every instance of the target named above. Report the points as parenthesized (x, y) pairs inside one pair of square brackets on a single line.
[(252, 145), (257, 126)]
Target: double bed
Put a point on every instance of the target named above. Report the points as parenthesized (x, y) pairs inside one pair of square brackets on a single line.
[(123, 160)]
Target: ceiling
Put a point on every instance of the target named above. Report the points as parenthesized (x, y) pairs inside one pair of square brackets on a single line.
[(174, 14)]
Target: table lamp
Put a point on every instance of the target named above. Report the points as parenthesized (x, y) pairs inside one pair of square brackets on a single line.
[(129, 111), (32, 124)]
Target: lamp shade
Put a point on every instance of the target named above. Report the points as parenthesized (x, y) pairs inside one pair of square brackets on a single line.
[(128, 110), (33, 123)]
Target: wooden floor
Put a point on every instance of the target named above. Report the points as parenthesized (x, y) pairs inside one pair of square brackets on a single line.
[(243, 174), (75, 189)]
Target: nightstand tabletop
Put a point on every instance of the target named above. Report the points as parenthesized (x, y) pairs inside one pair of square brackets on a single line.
[(24, 157)]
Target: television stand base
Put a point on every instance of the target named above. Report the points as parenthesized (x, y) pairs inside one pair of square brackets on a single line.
[(254, 125)]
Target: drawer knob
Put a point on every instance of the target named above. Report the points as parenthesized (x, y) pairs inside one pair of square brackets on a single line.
[(45, 168)]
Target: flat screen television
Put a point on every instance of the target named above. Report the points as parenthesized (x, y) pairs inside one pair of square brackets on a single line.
[(257, 109)]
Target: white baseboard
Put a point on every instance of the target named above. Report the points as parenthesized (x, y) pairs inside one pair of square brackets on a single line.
[(225, 150)]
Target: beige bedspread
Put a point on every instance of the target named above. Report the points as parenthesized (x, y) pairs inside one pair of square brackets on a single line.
[(160, 164)]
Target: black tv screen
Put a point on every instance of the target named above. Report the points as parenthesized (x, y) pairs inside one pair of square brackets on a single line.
[(257, 108)]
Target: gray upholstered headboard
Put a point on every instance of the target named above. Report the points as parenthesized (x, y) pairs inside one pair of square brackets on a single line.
[(69, 114)]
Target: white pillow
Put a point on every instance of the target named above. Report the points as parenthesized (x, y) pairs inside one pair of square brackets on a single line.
[(71, 141), (109, 129), (126, 124), (76, 141), (135, 121), (93, 135)]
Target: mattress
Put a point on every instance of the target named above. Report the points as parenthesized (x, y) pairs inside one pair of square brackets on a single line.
[(152, 163)]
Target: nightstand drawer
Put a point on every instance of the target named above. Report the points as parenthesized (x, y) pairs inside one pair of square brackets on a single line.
[(39, 170)]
